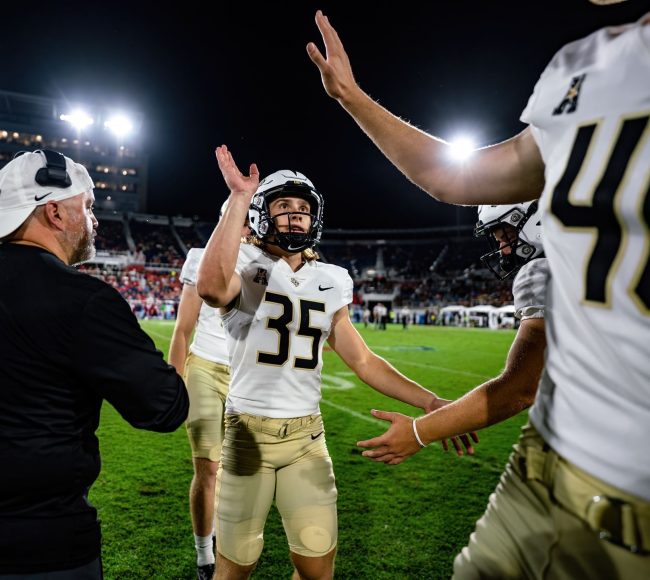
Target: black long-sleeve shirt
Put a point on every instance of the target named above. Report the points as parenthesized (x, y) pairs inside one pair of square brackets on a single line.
[(67, 342)]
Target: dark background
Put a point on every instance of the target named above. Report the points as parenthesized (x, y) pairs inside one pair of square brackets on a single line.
[(209, 73)]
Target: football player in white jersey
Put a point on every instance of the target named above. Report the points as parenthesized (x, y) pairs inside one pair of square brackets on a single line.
[(205, 367), (279, 306), (581, 475), (514, 234)]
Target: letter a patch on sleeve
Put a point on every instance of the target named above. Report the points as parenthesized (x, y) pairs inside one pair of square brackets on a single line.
[(570, 101), (261, 277)]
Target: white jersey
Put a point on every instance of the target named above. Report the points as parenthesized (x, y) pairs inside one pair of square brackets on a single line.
[(589, 115), (209, 336), (276, 332), (529, 289)]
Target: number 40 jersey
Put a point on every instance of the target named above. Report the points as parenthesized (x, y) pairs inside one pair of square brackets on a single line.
[(275, 333), (590, 117)]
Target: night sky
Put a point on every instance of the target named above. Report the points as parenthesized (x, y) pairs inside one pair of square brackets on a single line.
[(243, 78)]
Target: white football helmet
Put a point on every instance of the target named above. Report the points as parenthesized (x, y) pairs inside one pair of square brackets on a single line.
[(290, 184), (526, 243)]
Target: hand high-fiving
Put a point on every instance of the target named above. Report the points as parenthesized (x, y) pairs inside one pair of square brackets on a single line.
[(334, 68)]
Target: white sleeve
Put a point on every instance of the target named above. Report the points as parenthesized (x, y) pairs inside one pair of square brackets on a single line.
[(528, 114), (247, 253), (191, 266), (348, 289), (529, 289)]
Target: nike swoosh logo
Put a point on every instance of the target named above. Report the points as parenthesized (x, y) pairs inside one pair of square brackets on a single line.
[(313, 437), (40, 197), (326, 288)]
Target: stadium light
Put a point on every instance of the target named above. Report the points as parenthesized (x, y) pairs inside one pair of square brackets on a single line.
[(462, 148), (120, 125), (78, 119)]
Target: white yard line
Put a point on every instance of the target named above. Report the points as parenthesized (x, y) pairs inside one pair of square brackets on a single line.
[(444, 369)]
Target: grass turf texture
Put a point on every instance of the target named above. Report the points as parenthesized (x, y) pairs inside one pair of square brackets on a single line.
[(405, 521)]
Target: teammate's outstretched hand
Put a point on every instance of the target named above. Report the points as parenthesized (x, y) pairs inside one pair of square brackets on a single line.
[(334, 68), (399, 442), (396, 444)]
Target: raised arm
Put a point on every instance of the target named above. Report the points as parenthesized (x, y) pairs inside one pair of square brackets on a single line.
[(504, 173), (217, 282), (492, 402)]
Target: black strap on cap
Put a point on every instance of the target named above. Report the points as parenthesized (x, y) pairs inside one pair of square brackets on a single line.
[(54, 173)]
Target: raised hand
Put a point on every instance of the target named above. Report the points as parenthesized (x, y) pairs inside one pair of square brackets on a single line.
[(237, 182), (334, 68)]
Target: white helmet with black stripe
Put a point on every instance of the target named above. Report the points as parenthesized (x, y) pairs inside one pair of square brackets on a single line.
[(290, 184)]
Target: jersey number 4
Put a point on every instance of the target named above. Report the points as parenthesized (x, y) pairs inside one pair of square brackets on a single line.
[(600, 214), (281, 326)]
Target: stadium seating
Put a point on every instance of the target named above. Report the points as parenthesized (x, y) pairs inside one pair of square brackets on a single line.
[(426, 270)]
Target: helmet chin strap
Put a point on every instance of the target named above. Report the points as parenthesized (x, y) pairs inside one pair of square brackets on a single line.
[(279, 240), (293, 242), (288, 241)]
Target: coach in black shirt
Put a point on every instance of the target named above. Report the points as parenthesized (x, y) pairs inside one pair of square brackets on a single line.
[(67, 342)]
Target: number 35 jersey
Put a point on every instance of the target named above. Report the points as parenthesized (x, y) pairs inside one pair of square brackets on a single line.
[(276, 330), (590, 117)]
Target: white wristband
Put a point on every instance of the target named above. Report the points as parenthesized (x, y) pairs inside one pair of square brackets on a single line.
[(415, 432)]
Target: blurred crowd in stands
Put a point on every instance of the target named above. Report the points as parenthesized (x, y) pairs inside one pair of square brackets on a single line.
[(414, 278), (152, 294)]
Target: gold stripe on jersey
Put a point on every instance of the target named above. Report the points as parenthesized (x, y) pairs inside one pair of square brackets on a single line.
[(643, 211)]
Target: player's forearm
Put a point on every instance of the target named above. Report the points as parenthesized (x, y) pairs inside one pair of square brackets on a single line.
[(217, 266), (386, 379), (497, 399), (178, 352), (488, 404), (504, 173)]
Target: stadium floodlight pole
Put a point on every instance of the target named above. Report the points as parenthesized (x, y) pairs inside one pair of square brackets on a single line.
[(78, 119)]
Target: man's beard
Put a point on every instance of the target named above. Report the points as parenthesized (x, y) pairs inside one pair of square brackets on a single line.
[(83, 245)]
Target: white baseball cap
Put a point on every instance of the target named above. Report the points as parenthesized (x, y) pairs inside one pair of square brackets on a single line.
[(33, 179)]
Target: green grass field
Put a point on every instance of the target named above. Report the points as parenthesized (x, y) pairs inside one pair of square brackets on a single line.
[(405, 521)]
